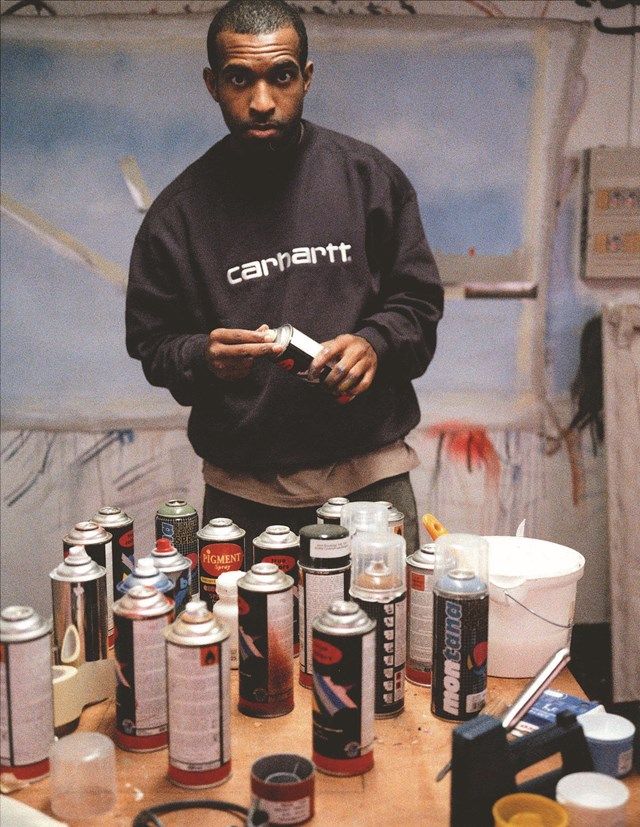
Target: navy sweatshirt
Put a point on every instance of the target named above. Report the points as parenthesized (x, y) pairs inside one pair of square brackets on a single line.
[(327, 237)]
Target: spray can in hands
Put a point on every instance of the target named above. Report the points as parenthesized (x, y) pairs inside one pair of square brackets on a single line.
[(378, 585), (460, 626)]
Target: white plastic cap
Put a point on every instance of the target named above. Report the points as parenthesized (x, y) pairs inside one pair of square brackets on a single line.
[(83, 776), (365, 516), (378, 567), (145, 567), (227, 583)]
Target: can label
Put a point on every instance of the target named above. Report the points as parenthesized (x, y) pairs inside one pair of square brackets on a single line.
[(182, 533), (329, 549), (26, 707), (287, 561), (141, 701), (181, 589), (391, 632), (420, 625), (216, 558), (316, 590), (265, 641), (343, 709), (298, 355), (459, 686), (198, 678), (123, 551)]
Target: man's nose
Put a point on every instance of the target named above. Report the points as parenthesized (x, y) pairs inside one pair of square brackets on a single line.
[(262, 103)]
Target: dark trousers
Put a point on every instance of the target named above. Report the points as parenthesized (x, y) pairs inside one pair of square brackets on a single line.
[(255, 517)]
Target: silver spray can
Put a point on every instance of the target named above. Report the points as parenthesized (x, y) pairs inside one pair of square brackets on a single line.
[(120, 526), (378, 585), (420, 615), (79, 600), (324, 568), (278, 544), (198, 696), (26, 694), (331, 510), (99, 546)]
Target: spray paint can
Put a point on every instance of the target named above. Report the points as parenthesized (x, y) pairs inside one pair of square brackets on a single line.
[(331, 510), (420, 615), (177, 568), (344, 644), (26, 694), (277, 544), (226, 608), (378, 577), (178, 521), (396, 518), (460, 626), (324, 571), (79, 601), (198, 669), (141, 617), (98, 544), (120, 526), (265, 630), (146, 574), (221, 548), (299, 352)]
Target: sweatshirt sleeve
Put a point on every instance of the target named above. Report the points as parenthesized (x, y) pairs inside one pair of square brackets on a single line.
[(402, 327), (159, 330)]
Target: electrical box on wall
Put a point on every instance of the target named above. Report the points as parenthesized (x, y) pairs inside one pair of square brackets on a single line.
[(610, 236)]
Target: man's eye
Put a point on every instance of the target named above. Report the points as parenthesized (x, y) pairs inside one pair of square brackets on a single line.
[(285, 75), (238, 80)]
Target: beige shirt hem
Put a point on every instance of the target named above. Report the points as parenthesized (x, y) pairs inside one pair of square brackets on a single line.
[(314, 486)]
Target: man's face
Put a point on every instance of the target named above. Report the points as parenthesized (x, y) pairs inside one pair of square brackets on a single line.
[(260, 86)]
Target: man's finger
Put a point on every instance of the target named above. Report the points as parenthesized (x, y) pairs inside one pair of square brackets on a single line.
[(331, 351), (235, 336)]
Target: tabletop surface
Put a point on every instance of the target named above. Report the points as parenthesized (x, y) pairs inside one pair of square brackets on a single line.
[(399, 790)]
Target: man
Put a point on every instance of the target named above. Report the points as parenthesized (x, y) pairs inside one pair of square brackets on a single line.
[(281, 222)]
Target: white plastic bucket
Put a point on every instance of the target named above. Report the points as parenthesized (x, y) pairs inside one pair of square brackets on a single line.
[(532, 597)]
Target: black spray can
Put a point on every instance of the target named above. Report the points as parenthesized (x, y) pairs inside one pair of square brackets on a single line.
[(324, 568), (120, 526), (265, 641), (178, 521), (344, 644), (460, 626), (378, 585)]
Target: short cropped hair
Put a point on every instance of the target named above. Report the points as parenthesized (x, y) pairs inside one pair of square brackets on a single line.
[(256, 17)]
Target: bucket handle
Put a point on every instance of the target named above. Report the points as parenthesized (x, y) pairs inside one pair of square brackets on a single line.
[(535, 614)]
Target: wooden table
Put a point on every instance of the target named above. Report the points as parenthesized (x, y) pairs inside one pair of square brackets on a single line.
[(400, 790)]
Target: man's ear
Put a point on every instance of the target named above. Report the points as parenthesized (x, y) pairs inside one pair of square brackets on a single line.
[(307, 74), (211, 82)]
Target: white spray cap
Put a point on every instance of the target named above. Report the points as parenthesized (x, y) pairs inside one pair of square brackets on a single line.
[(145, 567), (227, 583), (365, 516)]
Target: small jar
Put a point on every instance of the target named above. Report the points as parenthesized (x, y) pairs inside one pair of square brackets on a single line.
[(226, 607)]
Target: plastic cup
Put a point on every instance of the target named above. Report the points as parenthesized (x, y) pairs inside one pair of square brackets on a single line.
[(83, 776), (593, 799), (528, 810), (610, 739)]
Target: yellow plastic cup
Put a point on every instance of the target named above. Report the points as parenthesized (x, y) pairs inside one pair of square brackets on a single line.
[(528, 810)]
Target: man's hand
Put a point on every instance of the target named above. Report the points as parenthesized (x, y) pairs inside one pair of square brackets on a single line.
[(230, 352), (354, 365)]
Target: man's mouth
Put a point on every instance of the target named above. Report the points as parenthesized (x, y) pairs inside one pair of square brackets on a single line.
[(263, 131)]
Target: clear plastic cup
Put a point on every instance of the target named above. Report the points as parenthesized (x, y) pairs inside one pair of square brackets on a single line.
[(83, 776)]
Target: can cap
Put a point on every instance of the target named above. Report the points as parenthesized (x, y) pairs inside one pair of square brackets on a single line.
[(277, 536), (459, 554), (378, 568), (196, 626), (164, 546), (145, 567), (21, 623), (78, 761), (77, 556), (227, 583), (365, 516)]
